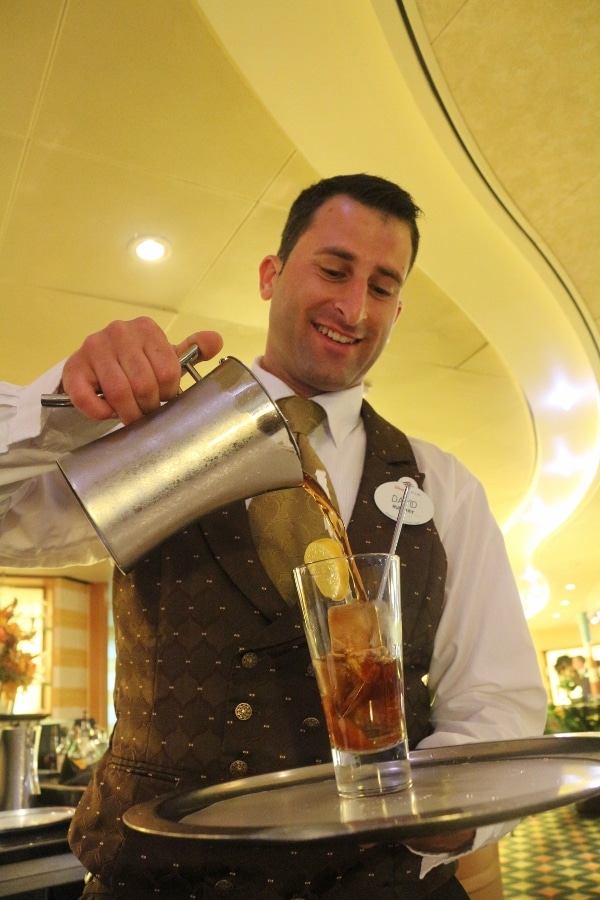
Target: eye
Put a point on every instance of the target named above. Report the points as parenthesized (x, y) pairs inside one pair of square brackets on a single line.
[(332, 273), (382, 292)]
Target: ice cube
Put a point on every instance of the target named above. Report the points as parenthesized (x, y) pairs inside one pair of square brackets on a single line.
[(353, 626)]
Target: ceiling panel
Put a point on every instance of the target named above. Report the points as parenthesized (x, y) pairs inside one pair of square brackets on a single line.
[(440, 332), (73, 217), (153, 89), (11, 150), (231, 283), (436, 14), (26, 38)]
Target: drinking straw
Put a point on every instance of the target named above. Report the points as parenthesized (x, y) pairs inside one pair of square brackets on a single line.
[(395, 539)]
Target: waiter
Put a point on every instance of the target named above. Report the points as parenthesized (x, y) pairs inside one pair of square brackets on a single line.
[(213, 676)]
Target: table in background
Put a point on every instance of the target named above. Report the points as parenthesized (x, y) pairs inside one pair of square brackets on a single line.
[(37, 863)]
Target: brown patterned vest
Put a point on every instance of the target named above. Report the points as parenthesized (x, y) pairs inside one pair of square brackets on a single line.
[(214, 679)]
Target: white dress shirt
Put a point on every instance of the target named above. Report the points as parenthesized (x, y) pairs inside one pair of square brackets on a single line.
[(484, 677)]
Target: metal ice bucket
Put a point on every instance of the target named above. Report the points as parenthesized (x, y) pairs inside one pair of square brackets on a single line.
[(222, 439)]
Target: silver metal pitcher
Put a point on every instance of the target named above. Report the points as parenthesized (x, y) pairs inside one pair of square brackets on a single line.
[(19, 744), (222, 439)]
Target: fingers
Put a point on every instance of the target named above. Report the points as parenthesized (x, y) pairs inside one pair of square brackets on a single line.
[(448, 842), (133, 364)]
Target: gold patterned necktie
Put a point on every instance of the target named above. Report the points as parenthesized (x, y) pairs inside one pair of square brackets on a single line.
[(283, 523)]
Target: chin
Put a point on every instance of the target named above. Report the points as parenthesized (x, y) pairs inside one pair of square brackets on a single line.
[(329, 377), (328, 386)]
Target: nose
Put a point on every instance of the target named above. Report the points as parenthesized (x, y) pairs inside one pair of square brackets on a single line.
[(352, 301)]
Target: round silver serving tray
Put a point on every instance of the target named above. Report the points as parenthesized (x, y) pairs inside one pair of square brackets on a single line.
[(453, 787), (34, 817)]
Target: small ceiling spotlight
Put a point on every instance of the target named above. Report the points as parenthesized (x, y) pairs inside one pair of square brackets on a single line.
[(149, 248)]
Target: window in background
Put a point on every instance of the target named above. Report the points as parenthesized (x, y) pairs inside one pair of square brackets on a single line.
[(31, 613)]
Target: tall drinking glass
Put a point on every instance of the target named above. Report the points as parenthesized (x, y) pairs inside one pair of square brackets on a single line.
[(352, 619)]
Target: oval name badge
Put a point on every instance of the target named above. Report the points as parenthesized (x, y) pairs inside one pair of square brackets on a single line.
[(419, 508)]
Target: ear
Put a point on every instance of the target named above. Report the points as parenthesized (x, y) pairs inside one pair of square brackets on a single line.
[(398, 311), (268, 271)]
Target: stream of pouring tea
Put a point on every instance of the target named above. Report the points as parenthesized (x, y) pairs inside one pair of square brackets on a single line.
[(314, 489)]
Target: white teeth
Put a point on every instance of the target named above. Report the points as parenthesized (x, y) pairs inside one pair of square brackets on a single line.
[(335, 335)]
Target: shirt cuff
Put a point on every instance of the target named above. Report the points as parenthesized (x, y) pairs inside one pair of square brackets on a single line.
[(26, 401), (484, 836)]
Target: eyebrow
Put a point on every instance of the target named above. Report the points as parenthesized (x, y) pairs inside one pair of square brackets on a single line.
[(351, 257)]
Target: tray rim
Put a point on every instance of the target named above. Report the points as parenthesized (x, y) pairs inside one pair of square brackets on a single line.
[(162, 815), (64, 813), (15, 718)]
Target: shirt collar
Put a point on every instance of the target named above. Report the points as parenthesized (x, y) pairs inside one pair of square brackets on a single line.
[(342, 407)]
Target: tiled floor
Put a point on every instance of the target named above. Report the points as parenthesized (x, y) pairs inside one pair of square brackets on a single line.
[(554, 855)]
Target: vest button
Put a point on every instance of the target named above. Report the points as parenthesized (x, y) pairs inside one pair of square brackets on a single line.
[(249, 660), (243, 711), (238, 768), (311, 723), (224, 886)]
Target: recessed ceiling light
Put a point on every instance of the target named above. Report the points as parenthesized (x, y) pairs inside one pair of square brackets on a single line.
[(569, 587), (150, 248)]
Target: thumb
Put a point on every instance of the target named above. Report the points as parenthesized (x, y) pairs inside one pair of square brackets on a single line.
[(209, 343)]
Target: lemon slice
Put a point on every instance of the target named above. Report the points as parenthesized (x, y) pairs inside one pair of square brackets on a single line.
[(332, 576), (323, 548)]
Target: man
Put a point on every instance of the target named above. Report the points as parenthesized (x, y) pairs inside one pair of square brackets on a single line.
[(200, 627)]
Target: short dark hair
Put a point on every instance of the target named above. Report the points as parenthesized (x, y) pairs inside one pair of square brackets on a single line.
[(562, 663), (370, 190)]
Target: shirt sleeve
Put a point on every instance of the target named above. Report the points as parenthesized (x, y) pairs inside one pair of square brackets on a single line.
[(484, 679), (21, 411), (41, 522)]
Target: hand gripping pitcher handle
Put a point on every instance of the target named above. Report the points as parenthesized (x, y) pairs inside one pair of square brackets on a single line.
[(221, 440)]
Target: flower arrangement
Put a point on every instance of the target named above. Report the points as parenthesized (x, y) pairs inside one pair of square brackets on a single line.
[(17, 666), (578, 716)]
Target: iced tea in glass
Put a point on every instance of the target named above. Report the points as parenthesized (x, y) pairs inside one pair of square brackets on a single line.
[(352, 619)]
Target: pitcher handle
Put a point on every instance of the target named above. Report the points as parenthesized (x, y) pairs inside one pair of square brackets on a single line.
[(186, 360)]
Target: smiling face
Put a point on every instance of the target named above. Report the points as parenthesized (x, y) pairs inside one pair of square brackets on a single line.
[(336, 298)]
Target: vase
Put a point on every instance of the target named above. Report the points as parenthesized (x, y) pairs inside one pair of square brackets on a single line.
[(8, 695)]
